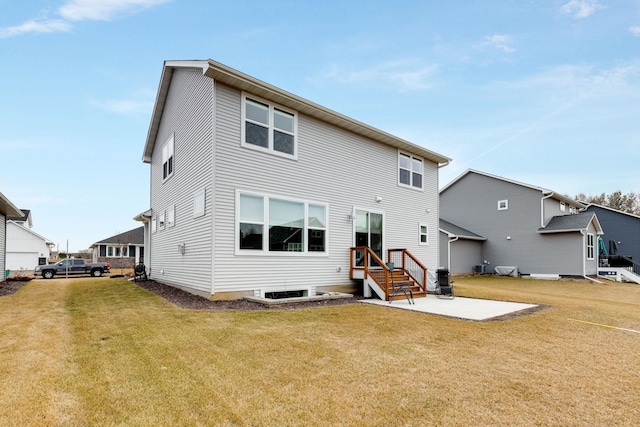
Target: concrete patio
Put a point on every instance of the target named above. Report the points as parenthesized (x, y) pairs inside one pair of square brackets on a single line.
[(458, 307)]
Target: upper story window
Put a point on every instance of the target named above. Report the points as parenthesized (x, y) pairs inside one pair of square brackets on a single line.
[(410, 171), (563, 207), (167, 158), (503, 205), (268, 127)]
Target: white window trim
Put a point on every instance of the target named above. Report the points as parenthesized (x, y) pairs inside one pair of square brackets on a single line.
[(411, 159), (199, 203), (265, 222), (154, 224), (590, 246), (563, 207), (272, 107), (420, 242), (170, 154), (506, 205)]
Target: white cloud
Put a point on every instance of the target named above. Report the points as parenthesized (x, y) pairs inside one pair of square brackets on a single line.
[(499, 41), (635, 31), (103, 10), (403, 75), (79, 10), (580, 8), (124, 106), (35, 26)]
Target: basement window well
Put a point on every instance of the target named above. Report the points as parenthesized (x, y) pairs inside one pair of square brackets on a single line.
[(285, 294)]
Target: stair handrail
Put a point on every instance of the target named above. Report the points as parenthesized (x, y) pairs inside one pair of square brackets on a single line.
[(367, 272), (635, 266), (420, 276)]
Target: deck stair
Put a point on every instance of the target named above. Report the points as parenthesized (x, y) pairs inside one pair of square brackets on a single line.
[(377, 277), (628, 270)]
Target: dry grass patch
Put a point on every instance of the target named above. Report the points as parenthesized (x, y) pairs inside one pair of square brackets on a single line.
[(106, 352)]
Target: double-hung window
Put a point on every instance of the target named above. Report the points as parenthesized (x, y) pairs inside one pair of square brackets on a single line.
[(167, 158), (410, 171), (268, 127), (424, 234), (277, 225), (590, 246)]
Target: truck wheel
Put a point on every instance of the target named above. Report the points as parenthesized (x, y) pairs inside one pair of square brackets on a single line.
[(96, 273), (48, 274)]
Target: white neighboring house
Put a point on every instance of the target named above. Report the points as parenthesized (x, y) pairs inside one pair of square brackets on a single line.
[(256, 191), (25, 248), (7, 209)]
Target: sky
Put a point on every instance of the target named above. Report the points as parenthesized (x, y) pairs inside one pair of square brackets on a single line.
[(543, 92)]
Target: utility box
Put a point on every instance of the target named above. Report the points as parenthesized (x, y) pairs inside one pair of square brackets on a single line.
[(480, 269)]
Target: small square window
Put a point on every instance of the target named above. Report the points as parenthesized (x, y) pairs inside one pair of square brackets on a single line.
[(503, 205), (424, 234)]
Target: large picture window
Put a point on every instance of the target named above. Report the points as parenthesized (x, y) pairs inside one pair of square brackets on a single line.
[(278, 225), (410, 171), (268, 127)]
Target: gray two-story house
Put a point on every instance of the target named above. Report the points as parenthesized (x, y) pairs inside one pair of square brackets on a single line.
[(255, 190), (492, 222), (621, 231)]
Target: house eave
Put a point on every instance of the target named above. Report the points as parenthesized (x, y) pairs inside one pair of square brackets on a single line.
[(7, 208), (244, 82)]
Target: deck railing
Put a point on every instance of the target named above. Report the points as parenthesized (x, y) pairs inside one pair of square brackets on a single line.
[(404, 259), (364, 259)]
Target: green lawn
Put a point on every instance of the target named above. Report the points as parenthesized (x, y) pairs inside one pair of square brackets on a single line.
[(106, 352)]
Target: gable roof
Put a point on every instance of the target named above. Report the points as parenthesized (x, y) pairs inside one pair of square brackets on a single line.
[(594, 205), (7, 208), (544, 191), (29, 230), (237, 79), (24, 218), (569, 223), (131, 237), (454, 231)]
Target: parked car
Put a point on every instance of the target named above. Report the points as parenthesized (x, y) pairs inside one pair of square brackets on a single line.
[(72, 266)]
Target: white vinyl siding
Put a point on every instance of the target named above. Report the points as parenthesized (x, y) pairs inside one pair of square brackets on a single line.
[(314, 179), (188, 120)]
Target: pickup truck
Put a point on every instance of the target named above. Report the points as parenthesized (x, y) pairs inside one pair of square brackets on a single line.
[(72, 266)]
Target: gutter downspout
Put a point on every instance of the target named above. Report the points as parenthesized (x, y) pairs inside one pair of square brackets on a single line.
[(584, 257), (542, 208), (449, 252)]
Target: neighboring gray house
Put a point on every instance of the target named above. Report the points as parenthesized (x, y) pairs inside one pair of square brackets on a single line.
[(621, 231), (466, 244), (533, 229), (121, 250), (7, 209), (255, 190)]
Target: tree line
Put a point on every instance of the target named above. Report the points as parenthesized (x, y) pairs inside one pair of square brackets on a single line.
[(628, 203)]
